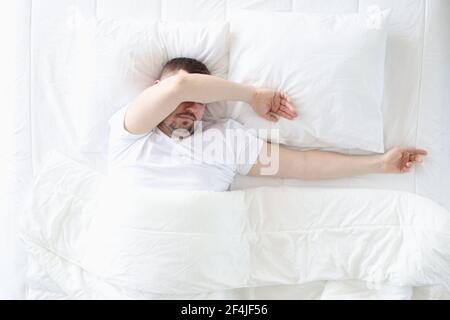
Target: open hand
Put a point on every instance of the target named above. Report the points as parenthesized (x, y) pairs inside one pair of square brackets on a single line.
[(269, 103), (401, 159)]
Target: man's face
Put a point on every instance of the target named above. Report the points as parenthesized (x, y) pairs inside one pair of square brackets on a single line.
[(185, 115)]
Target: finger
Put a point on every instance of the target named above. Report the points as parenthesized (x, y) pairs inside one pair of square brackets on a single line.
[(404, 159), (413, 150), (416, 158), (287, 97), (286, 110), (286, 101), (285, 115), (406, 167), (288, 105), (271, 117), (276, 102), (421, 151), (290, 110), (284, 95)]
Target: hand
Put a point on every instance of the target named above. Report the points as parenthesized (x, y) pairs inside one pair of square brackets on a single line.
[(269, 103), (401, 159)]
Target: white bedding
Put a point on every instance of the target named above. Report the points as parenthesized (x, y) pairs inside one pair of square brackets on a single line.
[(415, 108), (97, 239)]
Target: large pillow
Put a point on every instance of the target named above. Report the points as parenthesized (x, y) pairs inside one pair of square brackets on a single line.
[(116, 59), (331, 65), (207, 42)]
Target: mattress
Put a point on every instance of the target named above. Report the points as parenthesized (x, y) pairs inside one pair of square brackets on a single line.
[(416, 105)]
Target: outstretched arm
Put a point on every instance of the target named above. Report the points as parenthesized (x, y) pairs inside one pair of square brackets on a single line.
[(314, 165)]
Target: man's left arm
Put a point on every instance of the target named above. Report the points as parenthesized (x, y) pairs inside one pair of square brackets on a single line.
[(280, 162)]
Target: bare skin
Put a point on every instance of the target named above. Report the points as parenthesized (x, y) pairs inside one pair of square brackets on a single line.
[(318, 165), (179, 99)]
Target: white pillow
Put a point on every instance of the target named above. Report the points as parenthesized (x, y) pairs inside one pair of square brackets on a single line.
[(208, 43), (118, 59), (331, 65)]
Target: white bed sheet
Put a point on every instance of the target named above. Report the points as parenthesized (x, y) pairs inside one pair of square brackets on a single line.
[(416, 106)]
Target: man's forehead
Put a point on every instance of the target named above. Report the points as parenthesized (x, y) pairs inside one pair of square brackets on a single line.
[(171, 73)]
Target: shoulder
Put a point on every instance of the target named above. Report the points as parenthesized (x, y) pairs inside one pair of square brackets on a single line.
[(118, 115), (117, 126), (120, 140)]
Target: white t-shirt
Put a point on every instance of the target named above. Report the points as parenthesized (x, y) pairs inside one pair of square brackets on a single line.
[(207, 160)]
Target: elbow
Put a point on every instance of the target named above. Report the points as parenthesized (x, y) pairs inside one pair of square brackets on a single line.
[(176, 87), (184, 87), (181, 82)]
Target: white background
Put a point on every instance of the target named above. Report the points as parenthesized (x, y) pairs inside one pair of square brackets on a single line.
[(8, 221)]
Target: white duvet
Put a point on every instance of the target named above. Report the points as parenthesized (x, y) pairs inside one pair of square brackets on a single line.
[(94, 239)]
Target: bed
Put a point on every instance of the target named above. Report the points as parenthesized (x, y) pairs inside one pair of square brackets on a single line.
[(416, 111)]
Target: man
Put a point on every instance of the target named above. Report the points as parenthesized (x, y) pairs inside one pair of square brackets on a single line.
[(145, 133)]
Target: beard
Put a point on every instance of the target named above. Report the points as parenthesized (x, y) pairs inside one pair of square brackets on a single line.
[(179, 126), (181, 129)]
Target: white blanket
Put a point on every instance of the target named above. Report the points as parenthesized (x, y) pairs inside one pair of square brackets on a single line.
[(129, 242)]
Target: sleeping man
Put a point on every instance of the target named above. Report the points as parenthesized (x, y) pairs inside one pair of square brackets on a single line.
[(159, 139)]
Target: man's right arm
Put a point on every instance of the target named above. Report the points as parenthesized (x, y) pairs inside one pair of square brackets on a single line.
[(158, 101)]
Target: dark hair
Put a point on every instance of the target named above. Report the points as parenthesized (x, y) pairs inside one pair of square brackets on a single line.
[(187, 64)]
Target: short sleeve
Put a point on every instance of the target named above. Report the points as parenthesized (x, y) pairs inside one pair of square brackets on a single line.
[(247, 147), (119, 137), (117, 127)]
